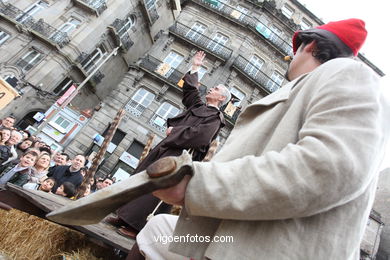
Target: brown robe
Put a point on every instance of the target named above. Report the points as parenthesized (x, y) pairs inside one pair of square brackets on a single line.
[(193, 129)]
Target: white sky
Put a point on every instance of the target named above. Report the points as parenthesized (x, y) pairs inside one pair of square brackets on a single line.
[(375, 13)]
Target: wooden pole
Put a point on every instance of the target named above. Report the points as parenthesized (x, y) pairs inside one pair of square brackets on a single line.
[(107, 139), (147, 147)]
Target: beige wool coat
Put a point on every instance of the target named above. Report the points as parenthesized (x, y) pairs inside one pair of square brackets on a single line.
[(297, 176)]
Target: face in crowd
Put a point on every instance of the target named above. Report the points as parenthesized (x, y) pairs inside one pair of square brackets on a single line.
[(27, 160), (60, 159), (25, 144), (15, 138), (8, 122), (5, 135), (106, 183), (47, 185), (60, 191), (43, 161), (78, 162)]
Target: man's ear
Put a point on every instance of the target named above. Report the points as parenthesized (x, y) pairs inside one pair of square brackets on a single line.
[(310, 47)]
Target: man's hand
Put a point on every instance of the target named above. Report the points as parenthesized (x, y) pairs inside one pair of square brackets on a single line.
[(197, 60), (169, 130), (174, 195)]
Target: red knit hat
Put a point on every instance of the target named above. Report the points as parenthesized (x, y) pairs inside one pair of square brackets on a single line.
[(350, 32)]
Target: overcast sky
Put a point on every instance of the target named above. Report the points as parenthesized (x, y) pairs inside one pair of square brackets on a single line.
[(376, 48)]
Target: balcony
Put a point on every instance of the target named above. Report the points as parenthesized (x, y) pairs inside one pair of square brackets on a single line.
[(201, 41), (121, 35), (227, 11), (39, 28), (250, 71), (94, 6), (236, 16), (81, 61), (161, 70)]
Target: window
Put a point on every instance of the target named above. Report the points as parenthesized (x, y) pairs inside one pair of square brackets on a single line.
[(63, 86), (288, 11), (128, 161), (171, 62), (118, 137), (275, 82), (29, 60), (139, 102), (217, 43), (61, 124), (69, 26), (242, 12), (263, 30), (201, 72), (130, 22), (254, 66), (237, 96), (150, 4), (196, 31), (3, 37), (12, 80), (31, 11), (233, 106), (136, 148), (93, 59), (305, 24), (165, 111), (276, 34)]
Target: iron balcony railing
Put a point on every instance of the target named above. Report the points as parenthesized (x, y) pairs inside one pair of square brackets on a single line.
[(96, 6), (149, 10), (121, 33), (161, 70), (82, 60), (245, 20), (256, 75), (39, 28), (200, 40)]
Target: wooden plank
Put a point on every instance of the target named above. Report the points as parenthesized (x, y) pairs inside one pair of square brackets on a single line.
[(49, 202)]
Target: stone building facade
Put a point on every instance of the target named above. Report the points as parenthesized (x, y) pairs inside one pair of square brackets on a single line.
[(46, 46), (245, 43)]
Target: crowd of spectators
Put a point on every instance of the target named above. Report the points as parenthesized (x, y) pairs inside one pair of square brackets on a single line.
[(27, 161)]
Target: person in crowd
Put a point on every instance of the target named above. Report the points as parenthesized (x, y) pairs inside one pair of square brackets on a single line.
[(5, 134), (20, 173), (68, 173), (5, 150), (106, 182), (16, 137), (59, 159), (83, 190), (41, 168), (8, 122), (26, 134), (46, 185), (66, 189), (194, 130), (304, 185), (24, 145)]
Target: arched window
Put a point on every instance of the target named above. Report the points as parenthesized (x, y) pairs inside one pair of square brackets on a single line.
[(165, 111), (139, 102), (128, 24)]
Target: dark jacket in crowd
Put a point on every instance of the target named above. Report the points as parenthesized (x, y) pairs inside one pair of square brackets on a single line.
[(5, 153), (62, 174), (193, 129)]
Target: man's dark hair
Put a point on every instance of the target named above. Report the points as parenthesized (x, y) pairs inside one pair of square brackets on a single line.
[(325, 49), (66, 155), (108, 178), (45, 149), (27, 132), (69, 189)]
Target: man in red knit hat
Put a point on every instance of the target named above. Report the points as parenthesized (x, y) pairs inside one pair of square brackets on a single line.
[(303, 186)]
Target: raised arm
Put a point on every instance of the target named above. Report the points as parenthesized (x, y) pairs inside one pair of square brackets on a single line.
[(191, 94)]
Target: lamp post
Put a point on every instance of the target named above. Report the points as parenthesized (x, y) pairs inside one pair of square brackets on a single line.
[(57, 109)]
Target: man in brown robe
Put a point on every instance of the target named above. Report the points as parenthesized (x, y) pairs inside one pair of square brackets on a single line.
[(193, 130)]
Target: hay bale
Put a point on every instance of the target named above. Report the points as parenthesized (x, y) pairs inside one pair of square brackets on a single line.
[(24, 236)]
